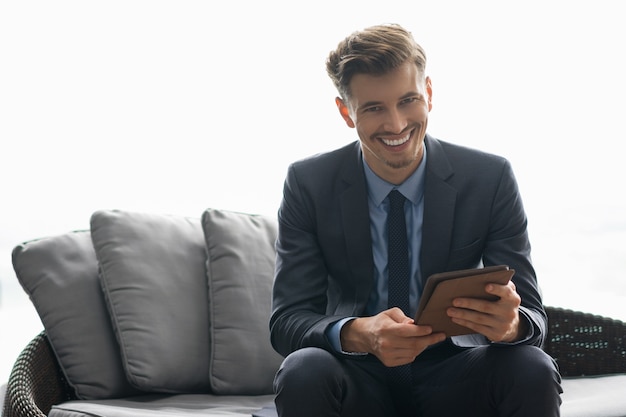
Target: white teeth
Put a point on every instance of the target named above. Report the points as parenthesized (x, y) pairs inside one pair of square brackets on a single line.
[(396, 142)]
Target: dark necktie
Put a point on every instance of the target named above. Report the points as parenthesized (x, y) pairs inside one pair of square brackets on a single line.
[(400, 377), (398, 254)]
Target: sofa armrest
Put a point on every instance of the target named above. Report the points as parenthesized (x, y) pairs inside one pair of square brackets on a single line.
[(36, 382), (585, 344)]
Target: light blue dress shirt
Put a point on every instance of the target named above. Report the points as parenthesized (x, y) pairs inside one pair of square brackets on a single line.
[(378, 189)]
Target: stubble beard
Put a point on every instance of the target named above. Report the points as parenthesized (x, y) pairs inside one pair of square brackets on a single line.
[(412, 161), (400, 164)]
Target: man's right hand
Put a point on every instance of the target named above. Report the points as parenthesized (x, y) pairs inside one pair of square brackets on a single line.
[(391, 336)]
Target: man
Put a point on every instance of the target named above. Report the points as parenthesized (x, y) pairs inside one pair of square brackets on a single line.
[(348, 348)]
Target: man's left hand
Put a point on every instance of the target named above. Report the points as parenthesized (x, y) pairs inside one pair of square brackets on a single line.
[(498, 321)]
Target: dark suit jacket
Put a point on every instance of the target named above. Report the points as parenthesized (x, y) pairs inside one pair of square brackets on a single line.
[(473, 215)]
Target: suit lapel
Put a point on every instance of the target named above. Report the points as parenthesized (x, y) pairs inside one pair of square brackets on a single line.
[(439, 205), (356, 221)]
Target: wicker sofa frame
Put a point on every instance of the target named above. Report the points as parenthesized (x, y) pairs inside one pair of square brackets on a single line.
[(583, 345)]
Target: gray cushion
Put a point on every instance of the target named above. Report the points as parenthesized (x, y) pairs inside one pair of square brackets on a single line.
[(3, 391), (598, 396), (240, 271), (175, 406), (60, 275), (152, 271)]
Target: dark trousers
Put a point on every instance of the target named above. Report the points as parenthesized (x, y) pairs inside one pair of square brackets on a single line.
[(447, 381)]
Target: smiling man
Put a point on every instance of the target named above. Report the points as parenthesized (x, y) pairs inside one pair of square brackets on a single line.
[(342, 314), (390, 114)]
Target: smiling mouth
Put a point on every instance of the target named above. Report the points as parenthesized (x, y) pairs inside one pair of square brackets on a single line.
[(397, 142)]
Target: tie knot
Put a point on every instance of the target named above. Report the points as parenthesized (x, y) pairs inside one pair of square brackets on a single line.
[(396, 199)]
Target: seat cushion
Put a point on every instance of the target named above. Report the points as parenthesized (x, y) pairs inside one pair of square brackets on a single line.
[(152, 271), (240, 273), (582, 397), (161, 405), (60, 275), (597, 396)]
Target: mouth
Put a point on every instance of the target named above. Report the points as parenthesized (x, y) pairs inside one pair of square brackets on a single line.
[(398, 141)]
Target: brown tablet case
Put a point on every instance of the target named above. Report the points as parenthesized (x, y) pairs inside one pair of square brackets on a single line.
[(442, 288)]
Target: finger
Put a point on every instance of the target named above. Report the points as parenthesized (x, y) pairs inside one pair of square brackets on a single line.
[(434, 338), (398, 315), (501, 290), (405, 350), (470, 316), (409, 352), (487, 331), (474, 304), (494, 327), (423, 330), (409, 330)]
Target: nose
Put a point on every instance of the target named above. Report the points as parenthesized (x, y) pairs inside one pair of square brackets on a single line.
[(395, 121)]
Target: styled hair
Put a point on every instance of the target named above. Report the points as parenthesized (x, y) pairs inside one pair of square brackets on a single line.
[(375, 50)]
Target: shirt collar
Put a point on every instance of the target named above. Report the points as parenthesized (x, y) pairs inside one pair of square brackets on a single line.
[(412, 188)]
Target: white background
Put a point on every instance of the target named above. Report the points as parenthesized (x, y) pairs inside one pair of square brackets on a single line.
[(176, 106)]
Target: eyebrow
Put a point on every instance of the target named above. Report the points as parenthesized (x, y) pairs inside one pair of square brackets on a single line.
[(376, 103)]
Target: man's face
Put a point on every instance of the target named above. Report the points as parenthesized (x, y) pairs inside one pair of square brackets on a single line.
[(390, 114)]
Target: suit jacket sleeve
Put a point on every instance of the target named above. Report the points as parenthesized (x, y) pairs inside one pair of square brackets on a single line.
[(299, 300), (509, 244), (506, 242)]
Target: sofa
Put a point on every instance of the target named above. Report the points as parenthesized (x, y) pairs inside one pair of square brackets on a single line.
[(148, 314)]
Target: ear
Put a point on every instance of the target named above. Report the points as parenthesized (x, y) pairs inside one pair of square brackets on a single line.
[(429, 91), (344, 111)]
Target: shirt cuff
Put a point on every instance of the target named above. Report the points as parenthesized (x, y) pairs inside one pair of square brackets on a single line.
[(333, 333)]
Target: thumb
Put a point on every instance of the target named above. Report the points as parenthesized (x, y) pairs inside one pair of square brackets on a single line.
[(398, 315)]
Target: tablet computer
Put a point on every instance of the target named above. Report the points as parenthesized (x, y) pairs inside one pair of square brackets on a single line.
[(442, 288)]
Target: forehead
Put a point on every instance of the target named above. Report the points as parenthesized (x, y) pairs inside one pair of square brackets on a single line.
[(406, 79)]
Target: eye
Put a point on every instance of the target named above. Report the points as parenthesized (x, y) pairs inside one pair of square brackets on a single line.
[(410, 100), (372, 109)]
